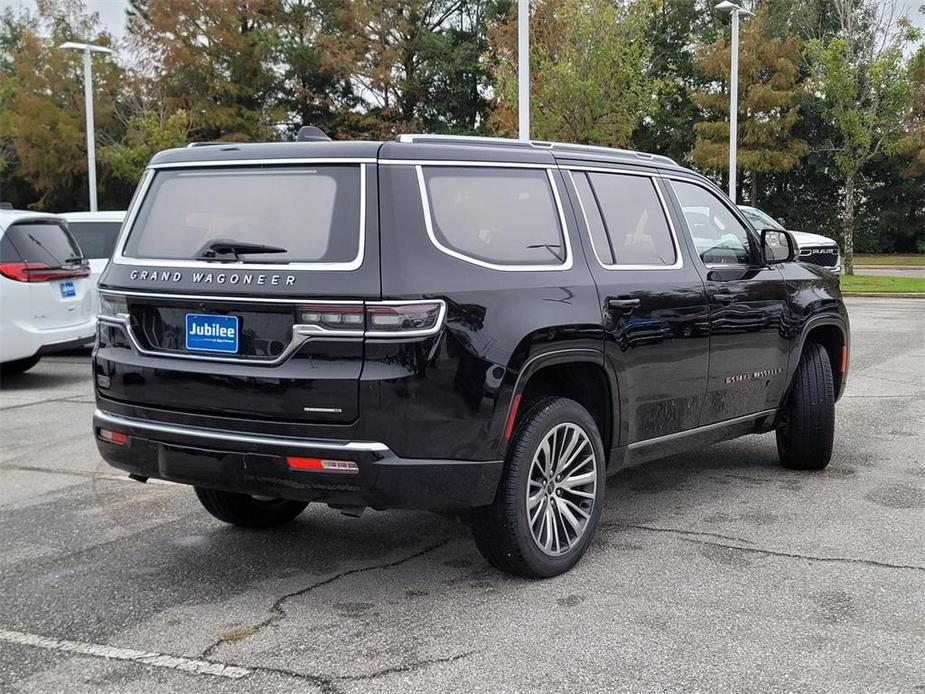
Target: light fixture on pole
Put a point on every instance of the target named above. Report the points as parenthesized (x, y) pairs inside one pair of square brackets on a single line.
[(523, 69), (735, 11), (87, 49)]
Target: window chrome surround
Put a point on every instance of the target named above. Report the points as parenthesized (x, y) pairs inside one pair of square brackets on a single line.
[(301, 333), (225, 436), (737, 215), (428, 218), (118, 258), (678, 255)]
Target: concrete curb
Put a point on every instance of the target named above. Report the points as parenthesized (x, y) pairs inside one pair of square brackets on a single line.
[(887, 295)]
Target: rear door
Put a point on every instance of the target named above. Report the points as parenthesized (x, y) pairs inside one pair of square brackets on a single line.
[(43, 254), (653, 302), (749, 344), (273, 336)]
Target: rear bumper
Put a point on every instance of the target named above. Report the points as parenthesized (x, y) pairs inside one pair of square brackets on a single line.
[(255, 464), (19, 340)]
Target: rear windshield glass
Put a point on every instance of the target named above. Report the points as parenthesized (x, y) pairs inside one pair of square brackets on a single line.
[(46, 243), (496, 215), (312, 212), (96, 239)]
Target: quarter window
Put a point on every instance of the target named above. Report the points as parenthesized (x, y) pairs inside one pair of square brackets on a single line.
[(495, 216), (718, 236), (626, 220)]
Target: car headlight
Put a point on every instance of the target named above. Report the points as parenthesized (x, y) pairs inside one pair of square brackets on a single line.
[(113, 306)]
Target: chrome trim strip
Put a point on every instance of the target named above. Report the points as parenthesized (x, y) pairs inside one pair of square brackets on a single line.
[(119, 259), (480, 163), (679, 257), (700, 430), (219, 298), (428, 224), (224, 436), (261, 162)]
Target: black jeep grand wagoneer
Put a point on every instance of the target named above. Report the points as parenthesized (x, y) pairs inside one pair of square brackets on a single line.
[(461, 324)]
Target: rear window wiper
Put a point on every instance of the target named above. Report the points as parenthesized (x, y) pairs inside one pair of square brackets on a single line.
[(228, 249)]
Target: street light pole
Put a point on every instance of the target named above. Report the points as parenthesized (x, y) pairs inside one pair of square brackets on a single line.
[(523, 69), (88, 110), (735, 11)]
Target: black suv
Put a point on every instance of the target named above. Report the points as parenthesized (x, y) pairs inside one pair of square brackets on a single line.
[(478, 326)]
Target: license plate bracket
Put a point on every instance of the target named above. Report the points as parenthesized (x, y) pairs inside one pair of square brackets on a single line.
[(212, 333)]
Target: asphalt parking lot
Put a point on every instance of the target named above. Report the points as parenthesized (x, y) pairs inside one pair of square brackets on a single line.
[(713, 571)]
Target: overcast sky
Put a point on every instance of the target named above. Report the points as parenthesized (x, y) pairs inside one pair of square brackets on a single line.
[(112, 12)]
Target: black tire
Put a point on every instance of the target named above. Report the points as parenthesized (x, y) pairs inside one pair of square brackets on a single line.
[(11, 368), (502, 531), (246, 511), (807, 430)]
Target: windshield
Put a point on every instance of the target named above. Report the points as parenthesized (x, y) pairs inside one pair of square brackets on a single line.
[(759, 219), (312, 212)]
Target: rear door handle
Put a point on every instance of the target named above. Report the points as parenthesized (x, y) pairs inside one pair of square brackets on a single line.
[(723, 298), (624, 306)]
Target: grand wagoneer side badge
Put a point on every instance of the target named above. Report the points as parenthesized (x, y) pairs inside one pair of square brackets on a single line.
[(753, 376)]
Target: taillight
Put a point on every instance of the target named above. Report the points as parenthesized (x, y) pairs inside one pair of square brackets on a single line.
[(116, 437), (321, 465), (40, 272), (113, 306), (332, 317), (400, 318), (374, 319)]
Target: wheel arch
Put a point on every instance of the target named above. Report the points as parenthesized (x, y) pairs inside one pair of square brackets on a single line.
[(575, 373), (832, 333)]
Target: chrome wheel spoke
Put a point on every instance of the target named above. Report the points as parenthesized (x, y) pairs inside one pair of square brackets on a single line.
[(561, 488)]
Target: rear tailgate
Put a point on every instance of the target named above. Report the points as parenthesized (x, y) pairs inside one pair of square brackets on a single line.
[(44, 255), (275, 336)]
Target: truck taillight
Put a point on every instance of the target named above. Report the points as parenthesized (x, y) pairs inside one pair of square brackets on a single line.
[(374, 318), (40, 272), (400, 319)]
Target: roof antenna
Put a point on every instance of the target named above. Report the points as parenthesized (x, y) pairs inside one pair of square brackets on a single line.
[(309, 133)]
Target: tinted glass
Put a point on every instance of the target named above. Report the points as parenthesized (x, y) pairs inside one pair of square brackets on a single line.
[(46, 243), (718, 235), (592, 213), (500, 216), (634, 218), (96, 239), (314, 213), (759, 219)]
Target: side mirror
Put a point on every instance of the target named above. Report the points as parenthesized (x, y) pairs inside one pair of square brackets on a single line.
[(778, 246)]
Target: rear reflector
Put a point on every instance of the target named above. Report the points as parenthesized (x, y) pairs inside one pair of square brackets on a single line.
[(511, 417), (321, 464), (40, 272), (116, 437), (844, 358)]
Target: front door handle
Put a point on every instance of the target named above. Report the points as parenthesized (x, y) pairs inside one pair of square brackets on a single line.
[(623, 306), (723, 298)]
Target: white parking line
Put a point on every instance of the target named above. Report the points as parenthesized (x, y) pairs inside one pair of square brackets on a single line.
[(199, 667)]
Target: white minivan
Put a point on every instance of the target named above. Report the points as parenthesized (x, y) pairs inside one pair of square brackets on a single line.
[(46, 295), (96, 234)]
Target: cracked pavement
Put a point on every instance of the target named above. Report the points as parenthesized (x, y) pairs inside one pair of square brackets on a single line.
[(715, 571)]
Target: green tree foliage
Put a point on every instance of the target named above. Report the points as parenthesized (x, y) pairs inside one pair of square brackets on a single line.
[(146, 134), (41, 90), (589, 77), (213, 61), (866, 88), (769, 89)]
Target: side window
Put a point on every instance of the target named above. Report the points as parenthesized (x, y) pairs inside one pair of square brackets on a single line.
[(96, 239), (635, 220), (494, 216), (596, 229), (718, 236)]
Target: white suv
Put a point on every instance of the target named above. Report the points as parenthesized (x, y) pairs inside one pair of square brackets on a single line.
[(46, 294), (96, 234)]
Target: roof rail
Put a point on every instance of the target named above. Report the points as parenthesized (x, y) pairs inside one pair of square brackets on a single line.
[(207, 144), (534, 144)]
